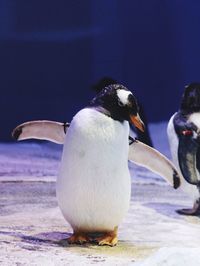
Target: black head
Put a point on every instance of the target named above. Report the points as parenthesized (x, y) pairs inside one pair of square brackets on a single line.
[(119, 103), (102, 83), (191, 98)]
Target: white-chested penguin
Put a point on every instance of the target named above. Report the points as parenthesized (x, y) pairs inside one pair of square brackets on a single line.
[(184, 139), (93, 186)]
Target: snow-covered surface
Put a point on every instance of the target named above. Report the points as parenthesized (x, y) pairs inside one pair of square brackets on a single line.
[(33, 231), (173, 257)]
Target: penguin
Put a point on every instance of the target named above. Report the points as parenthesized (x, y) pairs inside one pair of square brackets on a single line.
[(183, 132), (94, 184)]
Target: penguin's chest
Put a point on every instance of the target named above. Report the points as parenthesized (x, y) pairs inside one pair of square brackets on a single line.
[(94, 184)]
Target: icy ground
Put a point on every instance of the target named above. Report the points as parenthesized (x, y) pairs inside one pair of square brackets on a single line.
[(33, 231)]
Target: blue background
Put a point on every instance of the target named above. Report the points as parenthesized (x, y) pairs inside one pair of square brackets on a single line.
[(51, 52)]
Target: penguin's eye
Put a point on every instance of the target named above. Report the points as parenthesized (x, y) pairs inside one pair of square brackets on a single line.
[(120, 103)]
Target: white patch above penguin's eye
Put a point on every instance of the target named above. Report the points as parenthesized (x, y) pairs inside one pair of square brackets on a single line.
[(123, 97)]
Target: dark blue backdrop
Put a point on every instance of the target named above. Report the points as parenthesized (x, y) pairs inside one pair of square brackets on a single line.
[(52, 51)]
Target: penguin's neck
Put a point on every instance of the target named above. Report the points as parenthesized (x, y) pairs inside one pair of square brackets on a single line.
[(188, 111), (195, 119), (103, 110)]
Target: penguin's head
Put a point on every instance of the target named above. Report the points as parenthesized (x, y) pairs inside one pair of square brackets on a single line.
[(191, 98), (119, 103)]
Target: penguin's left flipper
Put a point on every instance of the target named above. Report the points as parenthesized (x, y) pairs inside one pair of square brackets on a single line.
[(153, 160), (195, 211), (41, 129)]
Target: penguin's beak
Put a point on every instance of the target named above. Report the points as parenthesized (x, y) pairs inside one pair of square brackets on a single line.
[(137, 122)]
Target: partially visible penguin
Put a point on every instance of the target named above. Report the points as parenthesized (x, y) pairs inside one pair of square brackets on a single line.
[(94, 185), (184, 139)]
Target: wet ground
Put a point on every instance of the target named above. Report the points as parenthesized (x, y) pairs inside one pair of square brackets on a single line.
[(33, 231)]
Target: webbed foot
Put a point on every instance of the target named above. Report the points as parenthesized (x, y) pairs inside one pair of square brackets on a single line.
[(79, 238), (108, 238), (195, 211)]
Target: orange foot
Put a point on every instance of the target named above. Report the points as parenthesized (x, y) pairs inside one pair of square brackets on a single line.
[(78, 238), (109, 238)]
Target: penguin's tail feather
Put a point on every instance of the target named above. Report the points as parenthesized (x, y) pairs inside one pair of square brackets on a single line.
[(41, 129), (153, 160)]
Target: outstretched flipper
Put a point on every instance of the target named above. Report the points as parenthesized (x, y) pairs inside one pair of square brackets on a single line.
[(41, 129), (139, 153), (153, 160)]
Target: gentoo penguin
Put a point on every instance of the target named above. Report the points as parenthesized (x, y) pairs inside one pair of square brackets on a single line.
[(184, 138), (93, 186)]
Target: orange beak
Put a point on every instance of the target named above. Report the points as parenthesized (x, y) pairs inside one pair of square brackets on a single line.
[(137, 122)]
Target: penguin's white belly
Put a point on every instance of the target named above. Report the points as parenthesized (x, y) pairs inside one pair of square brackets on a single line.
[(93, 187), (191, 190)]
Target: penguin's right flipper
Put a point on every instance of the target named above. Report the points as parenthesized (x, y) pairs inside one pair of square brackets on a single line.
[(41, 129), (188, 148), (195, 211), (153, 160)]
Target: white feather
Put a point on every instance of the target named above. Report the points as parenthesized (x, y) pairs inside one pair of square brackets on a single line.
[(123, 96), (93, 186)]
